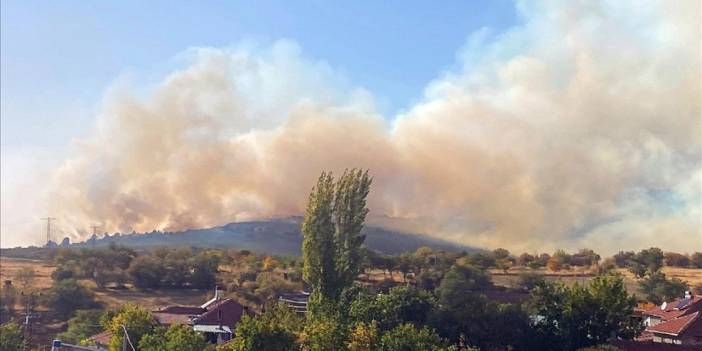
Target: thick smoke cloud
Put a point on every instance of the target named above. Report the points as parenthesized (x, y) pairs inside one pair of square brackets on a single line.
[(581, 127)]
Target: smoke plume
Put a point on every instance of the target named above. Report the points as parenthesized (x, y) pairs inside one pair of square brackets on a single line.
[(580, 127)]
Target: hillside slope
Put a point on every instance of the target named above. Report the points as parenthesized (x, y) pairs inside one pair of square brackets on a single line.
[(278, 236)]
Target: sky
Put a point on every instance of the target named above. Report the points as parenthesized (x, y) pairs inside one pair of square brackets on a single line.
[(483, 121)]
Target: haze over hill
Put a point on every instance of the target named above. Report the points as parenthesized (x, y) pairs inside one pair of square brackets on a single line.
[(577, 127), (276, 236)]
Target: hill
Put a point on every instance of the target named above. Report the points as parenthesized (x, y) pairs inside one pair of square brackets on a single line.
[(277, 236)]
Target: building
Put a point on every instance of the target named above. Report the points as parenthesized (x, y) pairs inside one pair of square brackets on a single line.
[(216, 319), (677, 322)]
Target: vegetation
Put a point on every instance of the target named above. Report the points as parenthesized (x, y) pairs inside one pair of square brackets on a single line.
[(67, 296), (11, 337)]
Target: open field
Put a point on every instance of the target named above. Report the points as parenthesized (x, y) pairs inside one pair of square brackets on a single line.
[(693, 276), (110, 297)]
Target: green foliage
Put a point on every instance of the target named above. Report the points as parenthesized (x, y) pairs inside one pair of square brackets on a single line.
[(318, 247), (647, 261), (350, 212), (11, 337), (175, 338), (406, 337), (530, 280), (571, 318), (401, 305), (137, 321), (364, 337), (66, 296), (324, 332), (331, 246), (275, 330), (657, 288), (84, 324), (459, 281), (146, 272)]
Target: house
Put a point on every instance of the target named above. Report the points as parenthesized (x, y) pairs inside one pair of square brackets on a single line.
[(677, 322), (216, 319)]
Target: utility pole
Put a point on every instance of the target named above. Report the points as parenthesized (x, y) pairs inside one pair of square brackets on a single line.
[(48, 228), (28, 321)]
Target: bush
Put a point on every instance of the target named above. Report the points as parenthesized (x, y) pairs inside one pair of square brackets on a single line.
[(67, 296), (11, 337), (530, 280)]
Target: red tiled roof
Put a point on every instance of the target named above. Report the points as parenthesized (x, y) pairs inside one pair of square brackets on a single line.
[(227, 311), (671, 313), (676, 326), (172, 318)]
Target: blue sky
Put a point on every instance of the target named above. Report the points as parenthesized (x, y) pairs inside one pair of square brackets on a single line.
[(59, 57)]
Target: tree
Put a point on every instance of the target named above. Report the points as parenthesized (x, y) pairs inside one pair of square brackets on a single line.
[(332, 237), (318, 247), (621, 259), (403, 304), (137, 322), (66, 296), (529, 280), (204, 271), (406, 337), (324, 332), (696, 259), (146, 272), (674, 259), (364, 337), (571, 318), (175, 338), (647, 261), (350, 212), (657, 288), (84, 324), (274, 330), (11, 337), (459, 281)]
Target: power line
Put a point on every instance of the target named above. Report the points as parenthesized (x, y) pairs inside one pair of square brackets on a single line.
[(48, 228)]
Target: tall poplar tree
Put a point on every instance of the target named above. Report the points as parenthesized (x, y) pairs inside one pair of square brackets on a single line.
[(331, 231), (349, 214)]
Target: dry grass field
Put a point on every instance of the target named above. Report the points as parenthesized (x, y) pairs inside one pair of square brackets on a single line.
[(110, 297), (693, 276)]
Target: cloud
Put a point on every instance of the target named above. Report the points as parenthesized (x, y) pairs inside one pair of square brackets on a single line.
[(557, 133)]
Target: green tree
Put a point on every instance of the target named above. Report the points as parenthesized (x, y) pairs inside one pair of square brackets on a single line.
[(350, 212), (318, 247), (66, 296), (406, 337), (146, 272), (647, 261), (274, 330), (571, 318), (11, 337), (175, 338), (84, 324), (137, 322), (364, 337), (325, 332), (657, 288), (332, 240)]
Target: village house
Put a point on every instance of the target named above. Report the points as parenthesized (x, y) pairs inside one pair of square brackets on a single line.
[(674, 325), (216, 319)]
